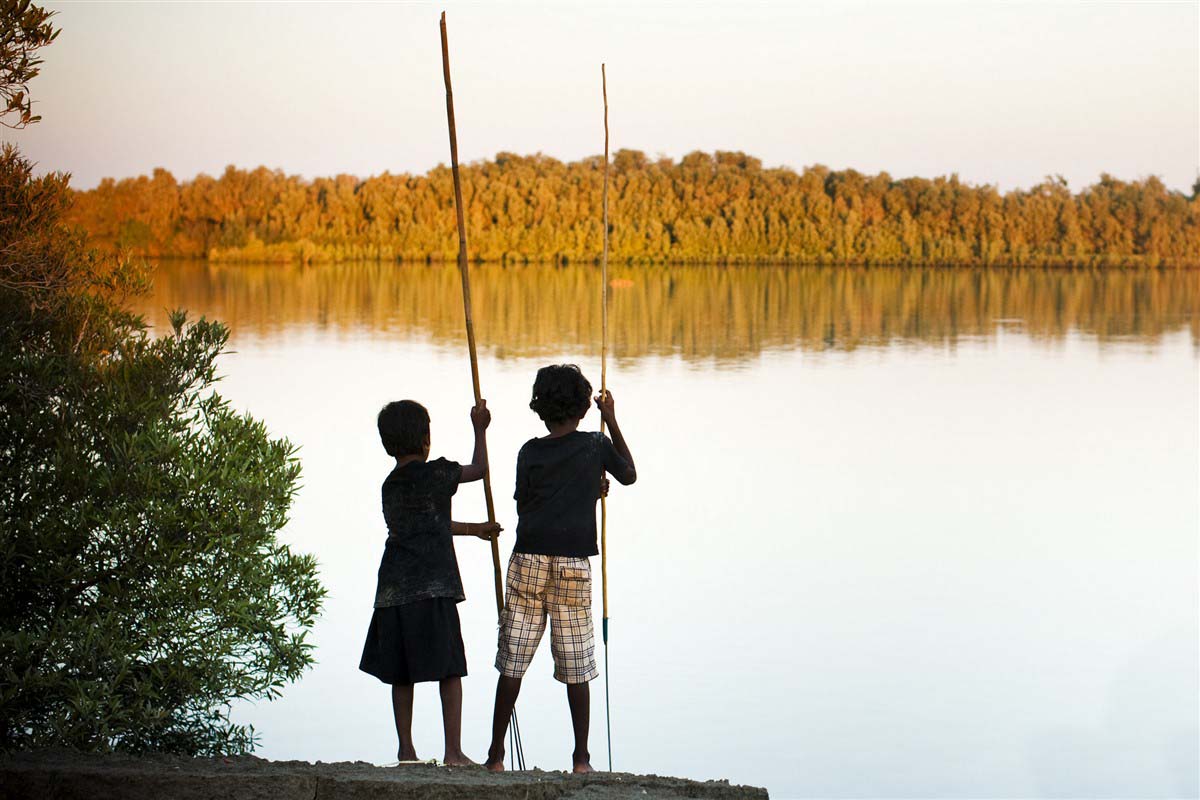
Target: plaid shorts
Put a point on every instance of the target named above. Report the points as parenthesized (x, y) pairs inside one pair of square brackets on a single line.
[(562, 588)]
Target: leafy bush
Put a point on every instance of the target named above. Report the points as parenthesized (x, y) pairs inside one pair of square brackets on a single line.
[(142, 586)]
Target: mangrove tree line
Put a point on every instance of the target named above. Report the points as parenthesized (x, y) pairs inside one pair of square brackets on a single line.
[(721, 207)]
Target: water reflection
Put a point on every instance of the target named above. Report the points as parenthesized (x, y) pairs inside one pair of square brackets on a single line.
[(964, 566), (707, 312)]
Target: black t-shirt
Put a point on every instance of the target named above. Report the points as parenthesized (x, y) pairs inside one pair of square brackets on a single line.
[(418, 559), (558, 484)]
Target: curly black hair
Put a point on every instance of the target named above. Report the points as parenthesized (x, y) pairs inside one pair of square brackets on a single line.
[(403, 426), (560, 393)]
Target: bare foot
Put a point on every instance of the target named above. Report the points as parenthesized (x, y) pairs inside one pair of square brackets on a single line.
[(458, 760), (581, 761), (495, 760), (406, 756)]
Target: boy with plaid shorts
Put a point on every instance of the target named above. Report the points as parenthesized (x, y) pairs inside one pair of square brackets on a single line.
[(559, 478)]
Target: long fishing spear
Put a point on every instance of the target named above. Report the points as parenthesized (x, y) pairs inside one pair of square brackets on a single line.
[(603, 389), (463, 269)]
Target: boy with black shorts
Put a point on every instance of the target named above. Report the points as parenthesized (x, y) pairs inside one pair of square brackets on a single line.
[(559, 479), (414, 634)]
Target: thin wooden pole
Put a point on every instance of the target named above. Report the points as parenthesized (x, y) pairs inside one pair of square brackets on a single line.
[(604, 351), (516, 750), (603, 389), (466, 293)]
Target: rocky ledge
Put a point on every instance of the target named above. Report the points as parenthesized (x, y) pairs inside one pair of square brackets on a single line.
[(64, 775)]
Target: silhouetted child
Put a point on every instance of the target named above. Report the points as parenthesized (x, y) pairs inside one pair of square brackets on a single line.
[(559, 478), (414, 634)]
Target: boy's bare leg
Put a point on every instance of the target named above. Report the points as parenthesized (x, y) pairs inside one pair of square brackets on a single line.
[(579, 697), (507, 690), (402, 707), (451, 692)]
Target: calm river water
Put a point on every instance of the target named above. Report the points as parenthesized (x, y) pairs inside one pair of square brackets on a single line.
[(896, 533)]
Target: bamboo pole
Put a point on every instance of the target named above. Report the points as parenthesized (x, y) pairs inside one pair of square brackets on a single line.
[(516, 750), (603, 389), (466, 293), (604, 354)]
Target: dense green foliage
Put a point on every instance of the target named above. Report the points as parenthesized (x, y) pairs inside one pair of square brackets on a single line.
[(142, 587), (705, 208)]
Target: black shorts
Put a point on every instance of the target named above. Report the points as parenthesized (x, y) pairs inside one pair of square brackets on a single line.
[(415, 642)]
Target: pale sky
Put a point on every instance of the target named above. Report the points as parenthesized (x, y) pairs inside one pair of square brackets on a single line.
[(1002, 93)]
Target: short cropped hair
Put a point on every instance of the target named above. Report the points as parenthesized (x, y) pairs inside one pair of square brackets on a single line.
[(403, 428), (560, 393)]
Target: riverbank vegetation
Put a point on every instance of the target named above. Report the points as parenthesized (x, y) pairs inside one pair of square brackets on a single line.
[(723, 207), (143, 588)]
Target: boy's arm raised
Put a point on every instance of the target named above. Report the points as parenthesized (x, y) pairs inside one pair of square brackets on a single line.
[(480, 419), (608, 412)]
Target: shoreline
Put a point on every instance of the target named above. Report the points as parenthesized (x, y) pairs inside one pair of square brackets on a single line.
[(66, 775), (1069, 265)]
